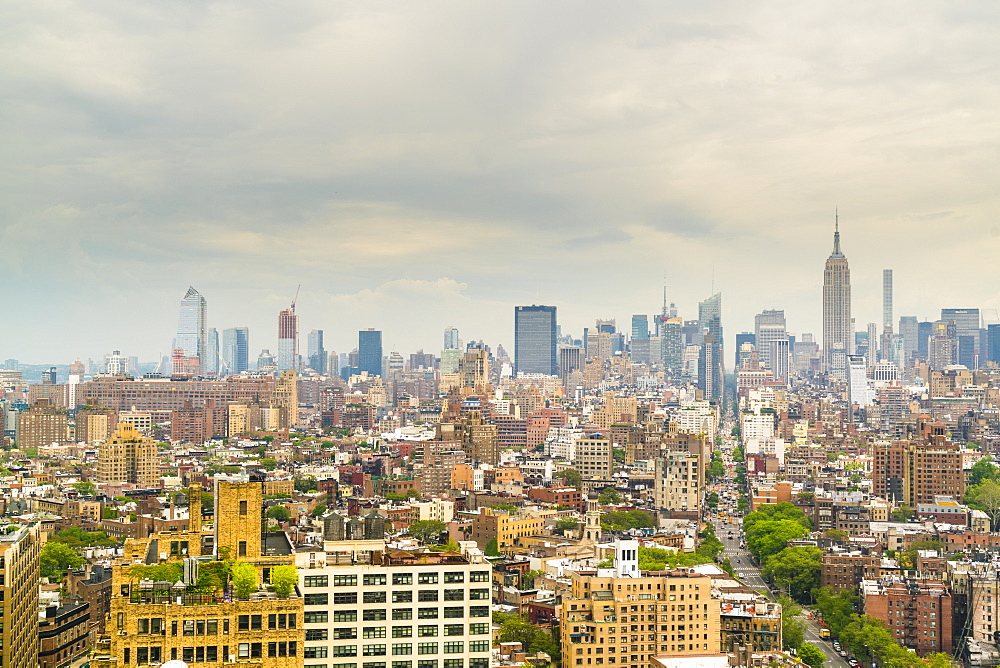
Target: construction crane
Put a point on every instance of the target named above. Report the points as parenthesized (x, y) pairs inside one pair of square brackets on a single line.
[(296, 298)]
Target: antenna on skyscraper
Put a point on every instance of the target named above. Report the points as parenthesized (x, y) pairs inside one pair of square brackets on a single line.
[(296, 298)]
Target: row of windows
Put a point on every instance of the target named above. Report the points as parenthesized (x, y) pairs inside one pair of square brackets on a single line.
[(211, 653), (374, 580), (423, 631), (421, 663), (255, 622), (426, 596), (323, 616), (398, 649)]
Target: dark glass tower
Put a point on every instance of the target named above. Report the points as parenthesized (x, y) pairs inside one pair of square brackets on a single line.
[(535, 340), (370, 351)]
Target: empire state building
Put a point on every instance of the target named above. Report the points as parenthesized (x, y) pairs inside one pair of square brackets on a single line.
[(838, 334)]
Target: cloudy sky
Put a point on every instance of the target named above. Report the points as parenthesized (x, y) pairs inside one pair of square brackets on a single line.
[(415, 165)]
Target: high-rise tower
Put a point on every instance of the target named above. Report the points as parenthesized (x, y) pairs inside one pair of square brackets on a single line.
[(192, 329), (316, 351), (236, 350), (885, 350), (370, 351), (288, 338), (838, 337), (535, 340)]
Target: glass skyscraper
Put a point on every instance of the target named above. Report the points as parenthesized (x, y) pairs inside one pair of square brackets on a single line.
[(535, 340), (370, 351), (192, 327), (236, 349)]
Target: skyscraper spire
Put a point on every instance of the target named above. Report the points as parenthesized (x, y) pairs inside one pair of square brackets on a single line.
[(836, 235)]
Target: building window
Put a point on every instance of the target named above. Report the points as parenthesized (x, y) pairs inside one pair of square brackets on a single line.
[(402, 648), (344, 615), (345, 650), (243, 507), (345, 634), (479, 611), (316, 581), (454, 594), (426, 596), (374, 597), (478, 629), (373, 632), (243, 548), (427, 663), (454, 647), (454, 577), (345, 580), (427, 648), (317, 634), (479, 646), (402, 613), (479, 594), (402, 578), (402, 664), (427, 613), (425, 630), (345, 598), (402, 631), (402, 596), (314, 653), (427, 578), (454, 613), (373, 615), (373, 650), (374, 580)]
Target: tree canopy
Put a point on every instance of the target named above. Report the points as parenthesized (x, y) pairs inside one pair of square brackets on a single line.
[(56, 559), (623, 520), (796, 570), (426, 531), (571, 477), (609, 496), (985, 497)]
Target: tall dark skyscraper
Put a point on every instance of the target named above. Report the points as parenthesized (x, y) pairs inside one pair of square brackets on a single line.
[(838, 332), (535, 340), (370, 351), (236, 349)]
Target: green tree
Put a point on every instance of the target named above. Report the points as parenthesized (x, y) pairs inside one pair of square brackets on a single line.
[(623, 520), (738, 453), (85, 488), (796, 570), (426, 531), (986, 497), (570, 477), (269, 464), (982, 471), (770, 537), (57, 558), (609, 496), (618, 454), (306, 483), (792, 629), (492, 548), (712, 500), (903, 514), (837, 608), (279, 513), (109, 514), (716, 469), (564, 524), (244, 579), (812, 655), (284, 579), (319, 510)]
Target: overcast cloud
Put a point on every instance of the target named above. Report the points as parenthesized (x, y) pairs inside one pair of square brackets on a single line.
[(422, 164)]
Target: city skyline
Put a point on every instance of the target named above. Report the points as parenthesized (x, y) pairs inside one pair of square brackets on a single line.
[(705, 148)]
